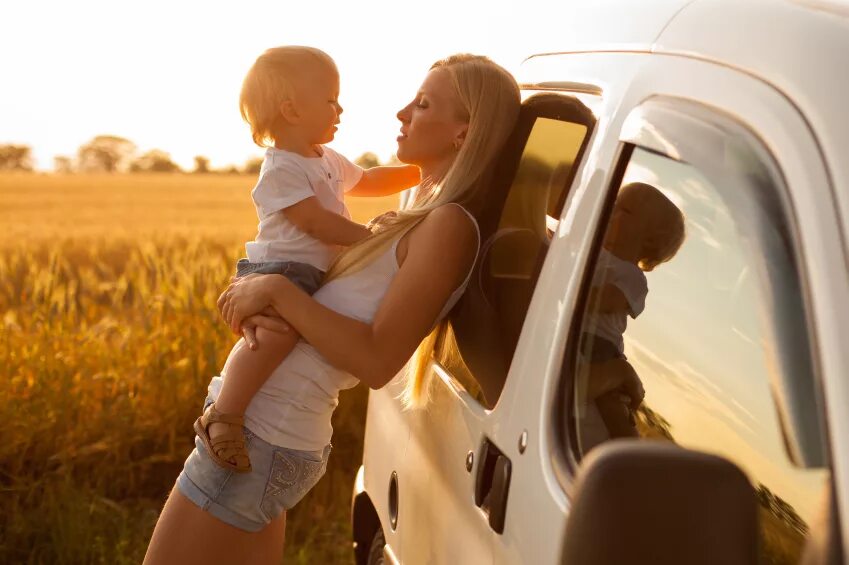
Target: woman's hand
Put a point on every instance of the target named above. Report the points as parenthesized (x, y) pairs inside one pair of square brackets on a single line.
[(245, 297)]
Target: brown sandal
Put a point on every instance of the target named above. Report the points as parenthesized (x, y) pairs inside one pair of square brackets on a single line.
[(228, 446)]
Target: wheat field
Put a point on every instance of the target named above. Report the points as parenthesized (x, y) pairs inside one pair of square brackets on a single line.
[(110, 334)]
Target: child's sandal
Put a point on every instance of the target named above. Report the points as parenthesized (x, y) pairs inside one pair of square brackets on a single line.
[(228, 446)]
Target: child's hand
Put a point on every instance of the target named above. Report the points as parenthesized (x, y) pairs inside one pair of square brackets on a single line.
[(272, 323), (377, 222)]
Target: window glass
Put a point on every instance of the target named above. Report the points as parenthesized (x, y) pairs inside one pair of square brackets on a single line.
[(477, 346), (707, 321)]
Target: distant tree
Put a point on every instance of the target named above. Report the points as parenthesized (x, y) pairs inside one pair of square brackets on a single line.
[(367, 160), (106, 153), (231, 170), (15, 158), (252, 166), (201, 165), (63, 164), (154, 161), (393, 160)]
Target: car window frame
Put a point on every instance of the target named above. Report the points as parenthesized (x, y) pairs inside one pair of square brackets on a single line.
[(537, 103), (654, 125)]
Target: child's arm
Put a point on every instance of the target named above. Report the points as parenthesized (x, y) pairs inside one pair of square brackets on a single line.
[(317, 221), (608, 298), (383, 181)]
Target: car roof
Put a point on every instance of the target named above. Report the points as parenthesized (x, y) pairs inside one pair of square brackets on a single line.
[(799, 47)]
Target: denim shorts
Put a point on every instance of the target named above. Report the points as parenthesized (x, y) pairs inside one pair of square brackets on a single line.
[(279, 479), (304, 275)]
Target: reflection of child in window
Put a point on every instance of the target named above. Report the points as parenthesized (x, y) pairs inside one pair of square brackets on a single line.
[(645, 230)]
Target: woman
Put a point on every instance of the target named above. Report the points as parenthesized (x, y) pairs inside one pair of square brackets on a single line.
[(381, 297)]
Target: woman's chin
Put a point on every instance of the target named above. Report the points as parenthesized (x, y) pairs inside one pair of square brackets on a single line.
[(402, 156)]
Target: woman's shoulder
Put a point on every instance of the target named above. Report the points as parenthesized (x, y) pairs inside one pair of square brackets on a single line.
[(452, 217), (450, 229)]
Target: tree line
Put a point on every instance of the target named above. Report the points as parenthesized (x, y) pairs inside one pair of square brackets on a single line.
[(114, 154)]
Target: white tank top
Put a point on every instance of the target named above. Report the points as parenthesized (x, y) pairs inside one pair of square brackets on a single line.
[(294, 406)]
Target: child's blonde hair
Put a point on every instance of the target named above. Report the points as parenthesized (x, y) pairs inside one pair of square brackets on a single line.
[(666, 230), (489, 97), (270, 81)]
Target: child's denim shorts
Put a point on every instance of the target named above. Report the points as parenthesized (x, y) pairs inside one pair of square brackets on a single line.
[(279, 479), (598, 349), (304, 275)]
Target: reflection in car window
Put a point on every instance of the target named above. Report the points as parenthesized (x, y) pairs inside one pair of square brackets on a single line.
[(500, 292), (708, 346)]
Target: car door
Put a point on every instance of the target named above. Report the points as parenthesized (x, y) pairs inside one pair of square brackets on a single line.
[(727, 344)]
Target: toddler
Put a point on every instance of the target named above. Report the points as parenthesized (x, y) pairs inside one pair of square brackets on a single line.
[(645, 230), (290, 99)]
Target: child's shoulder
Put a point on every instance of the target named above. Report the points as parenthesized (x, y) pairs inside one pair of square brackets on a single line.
[(278, 160), (281, 158), (328, 153)]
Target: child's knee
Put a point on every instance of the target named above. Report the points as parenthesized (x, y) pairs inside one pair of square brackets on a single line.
[(264, 336)]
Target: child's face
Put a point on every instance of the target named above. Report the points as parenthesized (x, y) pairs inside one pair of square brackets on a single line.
[(317, 105), (629, 219)]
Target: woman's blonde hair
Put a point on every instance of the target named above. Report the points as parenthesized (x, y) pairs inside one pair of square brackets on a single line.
[(489, 98), (270, 81)]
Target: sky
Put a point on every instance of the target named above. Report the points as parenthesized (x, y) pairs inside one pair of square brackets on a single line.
[(713, 380), (167, 74)]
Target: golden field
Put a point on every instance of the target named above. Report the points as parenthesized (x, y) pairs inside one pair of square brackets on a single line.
[(109, 336)]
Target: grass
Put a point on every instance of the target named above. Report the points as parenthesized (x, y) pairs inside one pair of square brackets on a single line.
[(109, 338)]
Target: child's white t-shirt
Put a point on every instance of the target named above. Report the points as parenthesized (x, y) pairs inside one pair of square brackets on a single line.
[(285, 179), (631, 281)]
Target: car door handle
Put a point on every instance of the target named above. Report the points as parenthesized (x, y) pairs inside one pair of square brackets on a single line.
[(493, 485)]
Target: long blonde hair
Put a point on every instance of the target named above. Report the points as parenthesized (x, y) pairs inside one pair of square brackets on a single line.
[(489, 97)]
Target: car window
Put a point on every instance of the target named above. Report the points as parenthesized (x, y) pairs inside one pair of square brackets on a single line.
[(477, 345), (695, 298)]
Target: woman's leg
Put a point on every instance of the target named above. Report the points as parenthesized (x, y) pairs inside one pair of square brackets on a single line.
[(186, 535)]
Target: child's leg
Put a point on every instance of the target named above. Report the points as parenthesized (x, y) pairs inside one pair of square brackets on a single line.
[(616, 414), (615, 404), (248, 370), (615, 374)]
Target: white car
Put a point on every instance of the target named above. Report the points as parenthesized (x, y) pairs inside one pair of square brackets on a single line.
[(738, 112)]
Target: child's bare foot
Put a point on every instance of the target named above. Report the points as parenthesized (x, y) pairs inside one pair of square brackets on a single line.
[(224, 439)]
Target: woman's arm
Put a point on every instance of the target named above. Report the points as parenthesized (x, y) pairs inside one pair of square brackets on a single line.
[(440, 252), (386, 180)]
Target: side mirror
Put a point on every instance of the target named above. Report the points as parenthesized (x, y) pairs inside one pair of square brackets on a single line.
[(652, 502)]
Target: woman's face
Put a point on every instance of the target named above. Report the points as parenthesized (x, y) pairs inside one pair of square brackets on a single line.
[(432, 125)]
